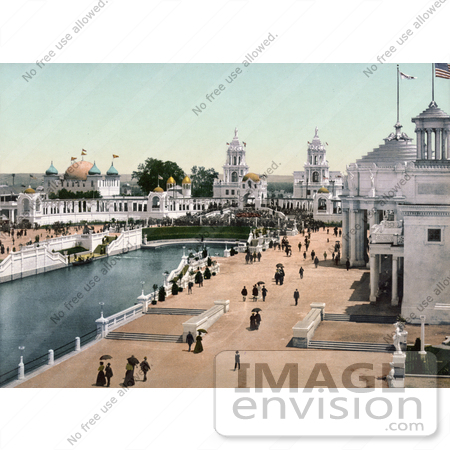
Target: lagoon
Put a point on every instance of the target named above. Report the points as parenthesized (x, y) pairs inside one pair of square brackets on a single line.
[(46, 311)]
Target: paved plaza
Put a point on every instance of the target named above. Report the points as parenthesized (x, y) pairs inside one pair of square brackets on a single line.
[(172, 366)]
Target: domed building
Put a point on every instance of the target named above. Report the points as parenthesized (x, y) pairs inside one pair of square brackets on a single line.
[(239, 186), (83, 176), (317, 188), (174, 201)]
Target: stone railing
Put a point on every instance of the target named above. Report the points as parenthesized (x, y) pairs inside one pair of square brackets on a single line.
[(387, 232), (107, 324), (303, 331), (206, 319)]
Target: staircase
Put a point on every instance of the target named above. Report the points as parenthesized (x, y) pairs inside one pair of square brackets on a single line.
[(352, 346), (124, 336), (175, 311), (360, 318)]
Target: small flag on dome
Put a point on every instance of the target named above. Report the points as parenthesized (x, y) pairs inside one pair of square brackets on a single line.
[(160, 177), (245, 143), (83, 152), (115, 156), (407, 77), (32, 176), (73, 158), (228, 143), (442, 70)]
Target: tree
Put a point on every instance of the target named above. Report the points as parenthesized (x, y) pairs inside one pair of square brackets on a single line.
[(202, 181), (64, 194), (147, 174)]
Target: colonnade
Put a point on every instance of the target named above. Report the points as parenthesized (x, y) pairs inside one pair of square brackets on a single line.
[(433, 143)]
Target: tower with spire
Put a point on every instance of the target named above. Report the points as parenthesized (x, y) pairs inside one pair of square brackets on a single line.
[(235, 166), (238, 184), (316, 172)]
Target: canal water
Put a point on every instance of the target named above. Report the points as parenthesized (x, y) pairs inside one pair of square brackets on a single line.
[(35, 311)]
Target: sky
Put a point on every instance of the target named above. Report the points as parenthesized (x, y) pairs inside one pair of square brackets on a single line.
[(139, 111)]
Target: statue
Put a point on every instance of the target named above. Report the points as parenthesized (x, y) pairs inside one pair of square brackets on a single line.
[(317, 131), (372, 179), (398, 336)]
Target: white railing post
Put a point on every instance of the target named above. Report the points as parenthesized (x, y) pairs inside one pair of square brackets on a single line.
[(102, 326), (77, 344), (51, 357), (21, 369)]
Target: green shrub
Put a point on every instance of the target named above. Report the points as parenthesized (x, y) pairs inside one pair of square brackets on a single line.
[(207, 274), (162, 294), (174, 289)]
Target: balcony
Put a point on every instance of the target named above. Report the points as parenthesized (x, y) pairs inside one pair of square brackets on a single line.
[(387, 232)]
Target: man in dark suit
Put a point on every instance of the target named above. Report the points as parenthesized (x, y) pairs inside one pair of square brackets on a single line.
[(296, 296), (189, 340)]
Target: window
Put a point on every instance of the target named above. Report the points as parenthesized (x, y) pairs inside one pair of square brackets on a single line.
[(227, 192), (315, 177), (232, 191), (234, 177), (322, 204), (434, 235)]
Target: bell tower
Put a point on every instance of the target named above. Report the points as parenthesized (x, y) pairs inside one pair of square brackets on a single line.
[(316, 166), (235, 166)]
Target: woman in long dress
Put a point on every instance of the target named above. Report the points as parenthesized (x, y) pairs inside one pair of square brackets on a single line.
[(198, 346), (253, 322), (101, 379), (129, 375)]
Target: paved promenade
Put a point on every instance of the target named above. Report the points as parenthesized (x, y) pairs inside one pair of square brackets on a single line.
[(342, 291)]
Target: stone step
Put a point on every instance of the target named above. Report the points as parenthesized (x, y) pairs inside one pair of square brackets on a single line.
[(119, 335), (175, 311), (351, 346), (361, 318)]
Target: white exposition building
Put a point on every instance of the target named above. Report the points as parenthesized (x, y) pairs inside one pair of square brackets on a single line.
[(317, 186), (83, 176), (239, 185), (402, 191)]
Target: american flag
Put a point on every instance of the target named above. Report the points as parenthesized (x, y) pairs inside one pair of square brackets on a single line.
[(442, 70)]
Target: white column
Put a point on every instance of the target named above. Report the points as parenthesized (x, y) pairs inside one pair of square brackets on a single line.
[(419, 135), (345, 234), (394, 299), (21, 369), (374, 277), (443, 145), (437, 146), (77, 344), (429, 143), (352, 235)]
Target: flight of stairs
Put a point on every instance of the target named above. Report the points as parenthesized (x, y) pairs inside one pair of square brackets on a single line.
[(124, 336), (176, 311), (360, 318), (351, 346)]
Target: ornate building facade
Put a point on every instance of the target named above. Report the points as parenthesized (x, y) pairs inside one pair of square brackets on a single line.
[(401, 193), (319, 186), (239, 186)]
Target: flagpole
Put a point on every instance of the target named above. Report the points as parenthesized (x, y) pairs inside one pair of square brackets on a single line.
[(398, 95), (432, 84)]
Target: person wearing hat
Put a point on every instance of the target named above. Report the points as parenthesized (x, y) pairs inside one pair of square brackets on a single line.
[(189, 340), (108, 374), (145, 367), (237, 360)]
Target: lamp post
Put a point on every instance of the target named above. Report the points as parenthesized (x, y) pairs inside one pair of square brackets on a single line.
[(21, 374), (422, 335), (102, 323)]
